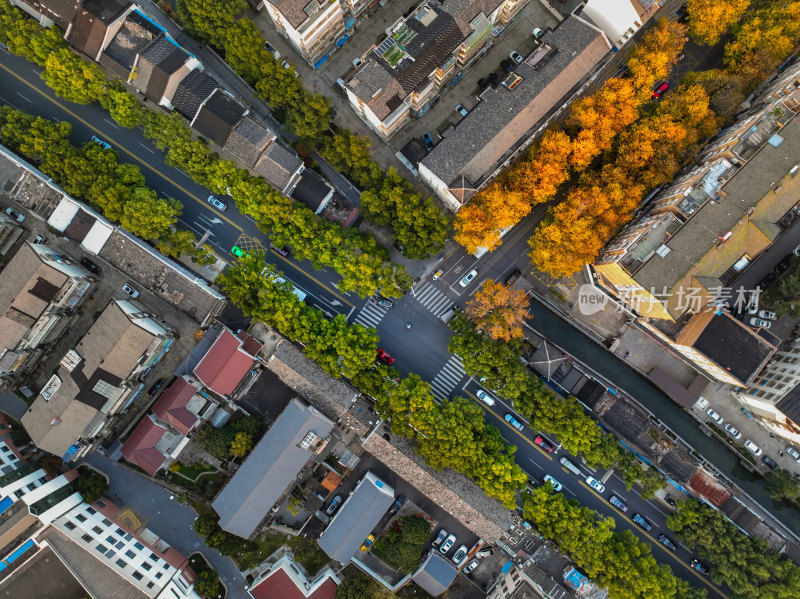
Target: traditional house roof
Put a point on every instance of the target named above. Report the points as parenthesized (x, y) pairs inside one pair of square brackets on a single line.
[(157, 63), (140, 448), (248, 140), (171, 406), (227, 362), (278, 166), (217, 117), (195, 88)]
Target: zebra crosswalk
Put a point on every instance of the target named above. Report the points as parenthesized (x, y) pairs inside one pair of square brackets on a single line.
[(448, 378), (370, 315), (432, 298)]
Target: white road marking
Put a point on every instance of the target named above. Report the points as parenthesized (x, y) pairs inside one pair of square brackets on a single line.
[(146, 148), (24, 98), (112, 123)]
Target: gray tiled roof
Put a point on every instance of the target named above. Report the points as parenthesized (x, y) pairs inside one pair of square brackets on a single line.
[(277, 165), (192, 92), (435, 575), (134, 36), (247, 140), (160, 60), (482, 140), (217, 117), (269, 469), (356, 518), (60, 11), (312, 190)]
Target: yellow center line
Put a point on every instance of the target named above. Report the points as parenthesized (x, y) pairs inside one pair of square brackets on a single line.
[(160, 174)]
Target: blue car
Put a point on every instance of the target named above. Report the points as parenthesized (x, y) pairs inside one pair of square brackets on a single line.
[(514, 422), (426, 137), (103, 144)]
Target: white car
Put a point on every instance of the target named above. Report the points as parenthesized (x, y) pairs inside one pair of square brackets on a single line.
[(470, 566), (714, 416), (132, 291), (463, 112), (556, 485), (15, 215), (467, 279), (460, 555), (768, 314), (515, 57), (793, 452), (537, 33), (595, 484), (217, 203), (448, 543), (485, 397), (733, 432), (752, 447), (760, 322)]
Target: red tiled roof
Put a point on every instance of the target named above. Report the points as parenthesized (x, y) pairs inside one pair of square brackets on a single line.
[(171, 406), (140, 448), (279, 584), (225, 364)]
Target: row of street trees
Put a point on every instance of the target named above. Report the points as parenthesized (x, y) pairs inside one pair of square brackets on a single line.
[(452, 434), (420, 228), (363, 265)]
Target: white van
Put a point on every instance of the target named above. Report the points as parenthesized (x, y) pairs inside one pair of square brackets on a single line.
[(570, 466), (485, 397)]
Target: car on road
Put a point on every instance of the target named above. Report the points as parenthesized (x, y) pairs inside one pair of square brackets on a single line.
[(428, 141), (448, 543), (397, 505), (760, 322), (282, 251), (643, 522), (752, 447), (439, 538), (699, 566), (556, 485), (470, 566), (381, 301), (768, 314), (793, 452), (90, 266), (618, 503), (461, 110), (101, 143), (485, 552), (512, 278), (595, 484), (667, 542), (337, 501), (732, 431), (544, 443), (368, 543), (515, 57), (514, 422), (714, 416), (467, 278), (132, 291), (385, 357), (238, 252), (660, 89), (484, 397), (39, 239), (769, 462), (460, 555), (15, 215), (217, 203)]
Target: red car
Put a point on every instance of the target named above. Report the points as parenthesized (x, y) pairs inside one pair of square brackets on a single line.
[(544, 443), (385, 357), (662, 87)]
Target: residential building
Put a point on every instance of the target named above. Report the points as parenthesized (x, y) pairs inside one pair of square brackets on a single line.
[(96, 23), (10, 233), (420, 54), (50, 12), (526, 581), (311, 26), (97, 379), (298, 434), (228, 361), (313, 191), (281, 168), (192, 91), (159, 68), (358, 516), (248, 140), (136, 33), (435, 574), (284, 578), (619, 19), (217, 116), (41, 292), (473, 151)]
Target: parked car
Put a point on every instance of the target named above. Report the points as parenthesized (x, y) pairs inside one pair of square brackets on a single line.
[(337, 501), (470, 566), (217, 203), (132, 291), (796, 251), (758, 322), (769, 462), (461, 110), (448, 543), (512, 278), (667, 542), (271, 49), (15, 215), (357, 62), (460, 555), (752, 303), (659, 91), (103, 144), (537, 33), (397, 505), (156, 386), (282, 251), (514, 422), (467, 278), (340, 83), (381, 301), (368, 543), (595, 484), (618, 503), (39, 239), (643, 522), (768, 314), (439, 538), (752, 448), (385, 357), (484, 397), (733, 432), (669, 500), (544, 443), (793, 452), (90, 266), (714, 416), (515, 57), (556, 485), (699, 566), (485, 552), (428, 141)]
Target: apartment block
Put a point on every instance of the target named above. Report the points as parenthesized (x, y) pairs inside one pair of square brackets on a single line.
[(97, 379), (41, 292)]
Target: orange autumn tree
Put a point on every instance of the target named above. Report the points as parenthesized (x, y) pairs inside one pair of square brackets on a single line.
[(499, 310), (654, 56), (709, 19)]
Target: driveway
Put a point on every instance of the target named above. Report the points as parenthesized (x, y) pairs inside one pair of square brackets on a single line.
[(169, 519)]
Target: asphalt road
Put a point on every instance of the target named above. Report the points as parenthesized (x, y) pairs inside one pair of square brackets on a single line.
[(21, 88)]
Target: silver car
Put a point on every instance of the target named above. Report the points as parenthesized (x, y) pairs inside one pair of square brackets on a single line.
[(217, 203), (448, 543), (468, 278), (714, 416), (470, 566), (595, 484), (732, 431), (460, 555)]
